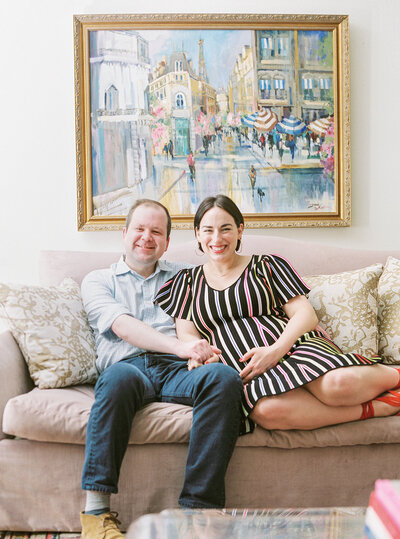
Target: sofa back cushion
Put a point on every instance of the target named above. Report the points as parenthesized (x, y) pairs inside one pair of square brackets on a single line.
[(51, 328), (389, 311), (347, 308), (308, 258)]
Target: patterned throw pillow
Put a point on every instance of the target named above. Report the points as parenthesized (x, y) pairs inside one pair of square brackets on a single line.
[(389, 311), (52, 331), (347, 308)]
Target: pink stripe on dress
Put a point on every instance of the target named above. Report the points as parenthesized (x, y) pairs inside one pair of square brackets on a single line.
[(184, 303), (288, 380), (246, 289)]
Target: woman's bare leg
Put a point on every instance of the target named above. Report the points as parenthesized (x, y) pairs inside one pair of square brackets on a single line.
[(353, 385), (299, 409)]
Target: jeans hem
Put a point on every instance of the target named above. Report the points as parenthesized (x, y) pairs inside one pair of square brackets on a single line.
[(100, 488), (198, 505)]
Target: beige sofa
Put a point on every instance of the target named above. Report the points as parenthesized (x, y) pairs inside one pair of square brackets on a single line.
[(43, 431)]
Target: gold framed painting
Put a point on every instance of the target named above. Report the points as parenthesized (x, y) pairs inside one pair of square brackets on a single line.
[(177, 107)]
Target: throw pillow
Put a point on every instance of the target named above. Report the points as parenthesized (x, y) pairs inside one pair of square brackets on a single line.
[(389, 311), (52, 331), (347, 308)]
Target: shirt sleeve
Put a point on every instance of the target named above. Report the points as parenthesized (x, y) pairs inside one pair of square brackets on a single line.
[(284, 280), (175, 296), (98, 299)]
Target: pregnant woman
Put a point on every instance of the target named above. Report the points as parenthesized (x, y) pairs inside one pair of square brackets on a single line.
[(254, 309)]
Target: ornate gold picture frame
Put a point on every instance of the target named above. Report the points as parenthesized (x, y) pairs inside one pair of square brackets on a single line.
[(177, 107)]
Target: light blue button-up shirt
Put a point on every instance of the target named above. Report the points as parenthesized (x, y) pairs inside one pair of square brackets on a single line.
[(109, 293)]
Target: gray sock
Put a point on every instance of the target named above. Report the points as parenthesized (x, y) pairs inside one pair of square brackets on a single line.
[(97, 502)]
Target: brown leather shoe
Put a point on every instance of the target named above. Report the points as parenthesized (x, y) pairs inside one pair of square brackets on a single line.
[(103, 526)]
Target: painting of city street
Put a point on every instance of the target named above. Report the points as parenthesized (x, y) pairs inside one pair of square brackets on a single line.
[(179, 114)]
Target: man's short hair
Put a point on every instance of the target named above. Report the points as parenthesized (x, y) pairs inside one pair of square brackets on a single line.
[(148, 202)]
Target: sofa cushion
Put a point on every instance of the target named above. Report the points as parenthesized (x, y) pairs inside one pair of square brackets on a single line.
[(61, 415), (52, 331), (346, 305), (389, 311)]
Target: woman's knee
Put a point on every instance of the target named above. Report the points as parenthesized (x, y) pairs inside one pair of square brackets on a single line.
[(272, 413), (339, 385)]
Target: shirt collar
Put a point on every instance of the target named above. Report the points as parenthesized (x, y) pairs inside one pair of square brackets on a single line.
[(122, 267)]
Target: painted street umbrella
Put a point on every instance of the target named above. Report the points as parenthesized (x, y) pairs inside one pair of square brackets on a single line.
[(265, 121), (291, 126), (249, 120), (320, 126)]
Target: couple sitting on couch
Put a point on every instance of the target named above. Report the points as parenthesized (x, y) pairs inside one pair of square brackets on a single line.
[(245, 312)]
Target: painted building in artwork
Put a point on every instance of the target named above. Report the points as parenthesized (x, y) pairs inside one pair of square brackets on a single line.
[(121, 124), (294, 72), (241, 86), (222, 101), (315, 74), (183, 94)]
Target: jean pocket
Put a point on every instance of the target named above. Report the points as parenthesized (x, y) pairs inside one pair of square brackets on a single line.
[(161, 360)]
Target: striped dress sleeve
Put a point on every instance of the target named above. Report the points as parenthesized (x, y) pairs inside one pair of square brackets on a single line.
[(285, 282), (175, 296)]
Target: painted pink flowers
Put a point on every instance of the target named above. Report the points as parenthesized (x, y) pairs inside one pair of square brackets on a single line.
[(159, 129), (328, 151)]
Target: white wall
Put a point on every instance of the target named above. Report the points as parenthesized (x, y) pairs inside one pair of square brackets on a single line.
[(37, 145)]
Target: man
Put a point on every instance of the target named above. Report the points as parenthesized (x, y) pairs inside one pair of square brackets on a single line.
[(141, 361)]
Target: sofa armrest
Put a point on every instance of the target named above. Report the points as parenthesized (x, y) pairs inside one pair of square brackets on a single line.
[(14, 375)]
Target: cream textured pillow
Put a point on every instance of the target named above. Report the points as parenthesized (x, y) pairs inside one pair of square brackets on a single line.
[(52, 331), (389, 311), (346, 305)]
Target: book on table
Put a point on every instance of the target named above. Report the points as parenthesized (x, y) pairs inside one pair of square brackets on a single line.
[(382, 519)]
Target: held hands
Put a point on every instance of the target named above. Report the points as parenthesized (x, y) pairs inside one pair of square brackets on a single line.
[(260, 360), (198, 352), (193, 364)]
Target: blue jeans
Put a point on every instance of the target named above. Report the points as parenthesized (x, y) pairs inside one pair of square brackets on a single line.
[(213, 390)]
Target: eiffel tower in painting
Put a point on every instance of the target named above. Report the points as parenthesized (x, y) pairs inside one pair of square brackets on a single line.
[(202, 62)]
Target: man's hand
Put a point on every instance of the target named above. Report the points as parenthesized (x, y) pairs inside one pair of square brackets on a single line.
[(193, 364), (260, 360), (199, 350)]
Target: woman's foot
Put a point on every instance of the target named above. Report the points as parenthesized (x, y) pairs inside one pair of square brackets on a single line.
[(390, 402), (386, 405)]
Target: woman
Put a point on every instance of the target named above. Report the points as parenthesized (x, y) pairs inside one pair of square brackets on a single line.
[(254, 309)]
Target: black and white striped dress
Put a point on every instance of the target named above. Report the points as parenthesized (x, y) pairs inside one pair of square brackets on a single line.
[(249, 314)]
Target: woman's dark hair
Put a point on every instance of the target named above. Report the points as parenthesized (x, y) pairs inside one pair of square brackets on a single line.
[(219, 201)]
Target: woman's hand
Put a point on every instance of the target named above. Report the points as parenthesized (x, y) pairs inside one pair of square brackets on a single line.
[(302, 318), (260, 360)]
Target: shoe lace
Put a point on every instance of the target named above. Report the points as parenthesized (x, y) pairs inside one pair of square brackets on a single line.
[(111, 520)]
